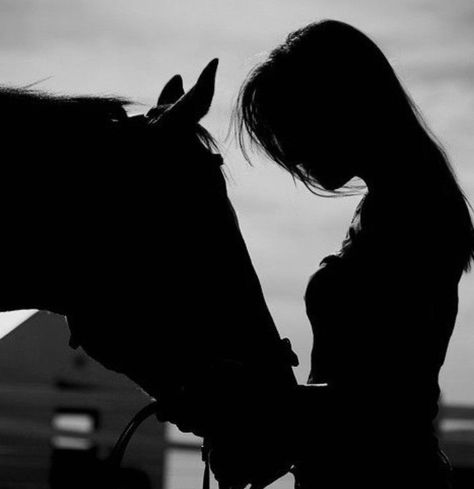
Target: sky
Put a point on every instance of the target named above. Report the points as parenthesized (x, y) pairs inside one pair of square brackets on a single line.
[(132, 48)]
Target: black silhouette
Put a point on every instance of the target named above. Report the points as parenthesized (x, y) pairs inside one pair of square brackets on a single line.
[(327, 106), (123, 225)]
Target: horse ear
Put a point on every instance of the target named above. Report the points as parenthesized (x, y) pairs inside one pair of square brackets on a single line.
[(195, 103), (172, 91)]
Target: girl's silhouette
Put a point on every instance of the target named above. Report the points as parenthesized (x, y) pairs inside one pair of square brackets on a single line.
[(327, 106)]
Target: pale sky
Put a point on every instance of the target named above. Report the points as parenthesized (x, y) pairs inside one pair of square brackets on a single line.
[(132, 48)]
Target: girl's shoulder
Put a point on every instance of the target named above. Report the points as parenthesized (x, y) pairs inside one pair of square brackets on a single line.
[(414, 231), (392, 237)]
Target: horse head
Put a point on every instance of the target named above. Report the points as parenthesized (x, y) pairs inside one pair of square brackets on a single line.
[(126, 228), (187, 284)]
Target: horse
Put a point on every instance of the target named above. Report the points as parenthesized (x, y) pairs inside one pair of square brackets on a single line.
[(122, 224)]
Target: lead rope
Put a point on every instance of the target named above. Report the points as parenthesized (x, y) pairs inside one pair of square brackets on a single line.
[(116, 455)]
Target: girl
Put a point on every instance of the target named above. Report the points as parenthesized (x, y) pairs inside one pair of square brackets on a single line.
[(327, 106)]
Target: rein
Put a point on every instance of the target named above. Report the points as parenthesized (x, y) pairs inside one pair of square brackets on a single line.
[(115, 458)]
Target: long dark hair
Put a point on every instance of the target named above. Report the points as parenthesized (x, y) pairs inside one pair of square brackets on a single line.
[(355, 84), (20, 105)]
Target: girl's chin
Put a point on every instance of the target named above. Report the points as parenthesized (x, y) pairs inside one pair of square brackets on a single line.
[(334, 184)]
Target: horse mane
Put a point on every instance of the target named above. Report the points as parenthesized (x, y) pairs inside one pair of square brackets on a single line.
[(40, 110)]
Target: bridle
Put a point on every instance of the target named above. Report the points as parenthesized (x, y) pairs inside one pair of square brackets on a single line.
[(116, 456)]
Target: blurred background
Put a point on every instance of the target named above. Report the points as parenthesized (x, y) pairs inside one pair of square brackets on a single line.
[(51, 407)]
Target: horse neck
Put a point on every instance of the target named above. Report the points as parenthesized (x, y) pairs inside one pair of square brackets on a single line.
[(32, 243)]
